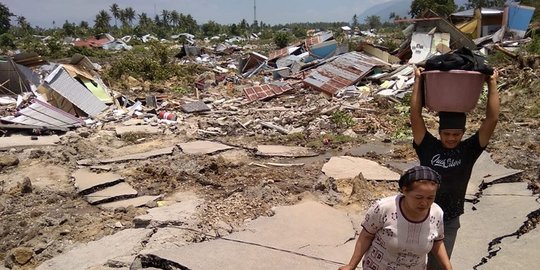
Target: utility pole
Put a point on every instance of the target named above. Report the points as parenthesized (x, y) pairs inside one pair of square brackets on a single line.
[(254, 12)]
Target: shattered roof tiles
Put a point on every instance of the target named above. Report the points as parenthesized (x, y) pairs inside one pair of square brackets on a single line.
[(343, 71), (265, 91)]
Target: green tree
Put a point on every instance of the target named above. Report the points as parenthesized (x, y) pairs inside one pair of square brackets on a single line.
[(485, 3), (233, 30), (281, 39), (7, 41), (101, 22), (115, 11), (441, 7), (355, 21), (69, 28), (211, 28), (175, 18), (190, 24), (84, 24), (5, 15), (24, 25), (130, 15), (145, 23), (165, 17), (243, 25), (373, 22)]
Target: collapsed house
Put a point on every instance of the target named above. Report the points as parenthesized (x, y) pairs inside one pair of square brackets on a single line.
[(54, 97)]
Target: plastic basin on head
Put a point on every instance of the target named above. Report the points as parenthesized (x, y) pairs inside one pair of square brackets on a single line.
[(452, 91)]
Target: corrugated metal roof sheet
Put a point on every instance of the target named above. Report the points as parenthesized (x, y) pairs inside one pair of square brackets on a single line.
[(43, 114), (265, 91), (345, 70), (65, 85)]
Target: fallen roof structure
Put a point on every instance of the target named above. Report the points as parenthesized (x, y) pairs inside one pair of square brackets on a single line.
[(70, 89), (43, 114), (341, 71)]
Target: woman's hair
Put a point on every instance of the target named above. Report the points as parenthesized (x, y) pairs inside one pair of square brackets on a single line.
[(418, 173)]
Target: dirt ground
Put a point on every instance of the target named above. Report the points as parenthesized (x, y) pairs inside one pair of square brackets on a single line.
[(42, 215)]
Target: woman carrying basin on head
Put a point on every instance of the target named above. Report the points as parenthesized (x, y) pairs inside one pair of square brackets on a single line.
[(399, 231)]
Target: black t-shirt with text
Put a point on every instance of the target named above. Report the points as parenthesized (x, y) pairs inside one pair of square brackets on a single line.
[(455, 167)]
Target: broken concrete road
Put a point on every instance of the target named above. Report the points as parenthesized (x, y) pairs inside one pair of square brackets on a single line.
[(308, 235), (500, 212)]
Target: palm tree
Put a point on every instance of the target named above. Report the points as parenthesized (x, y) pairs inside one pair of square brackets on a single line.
[(102, 21), (130, 15), (115, 10), (165, 14), (144, 22), (175, 18), (123, 18), (23, 24)]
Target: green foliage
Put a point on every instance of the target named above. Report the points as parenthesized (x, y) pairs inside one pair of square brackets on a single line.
[(211, 28), (373, 22), (282, 39), (498, 59), (97, 53), (5, 23), (330, 139), (7, 41), (441, 7), (150, 63), (533, 47), (485, 3), (299, 32), (31, 44), (343, 119), (181, 90)]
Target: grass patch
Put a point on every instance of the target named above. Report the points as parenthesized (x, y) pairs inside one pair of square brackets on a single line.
[(343, 119)]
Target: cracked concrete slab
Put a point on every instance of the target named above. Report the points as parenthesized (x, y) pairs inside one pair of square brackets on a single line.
[(180, 213), (85, 180), (308, 235), (401, 166), (495, 216), (228, 255), (119, 191), (145, 129), (136, 156), (140, 156), (97, 253), (345, 167), (166, 238), (502, 189), (516, 253), (284, 151), (203, 147), (132, 202), (27, 141), (486, 170)]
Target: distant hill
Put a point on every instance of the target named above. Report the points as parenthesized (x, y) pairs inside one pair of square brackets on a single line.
[(400, 7)]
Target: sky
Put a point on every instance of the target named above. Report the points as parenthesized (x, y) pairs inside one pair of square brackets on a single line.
[(43, 12)]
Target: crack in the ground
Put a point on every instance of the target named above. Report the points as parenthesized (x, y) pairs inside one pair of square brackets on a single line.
[(530, 224), (532, 221), (143, 261)]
